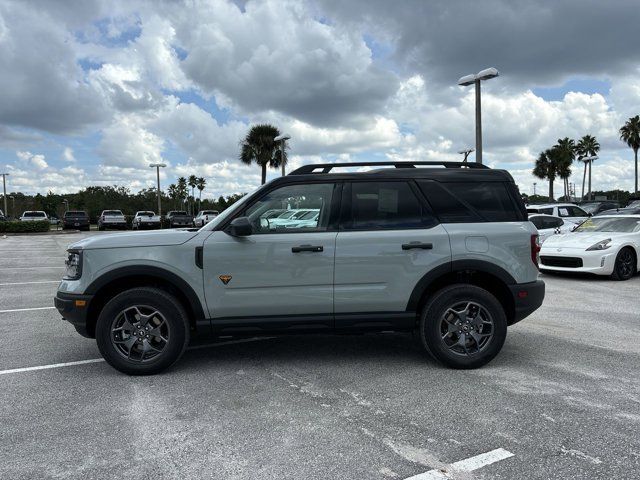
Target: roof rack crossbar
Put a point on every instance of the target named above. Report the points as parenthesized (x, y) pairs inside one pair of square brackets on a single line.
[(327, 167)]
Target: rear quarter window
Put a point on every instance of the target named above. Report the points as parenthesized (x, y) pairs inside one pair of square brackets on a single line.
[(469, 202)]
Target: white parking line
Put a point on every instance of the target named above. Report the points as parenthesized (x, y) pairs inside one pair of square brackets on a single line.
[(466, 465), (54, 365), (98, 360), (28, 283), (26, 309)]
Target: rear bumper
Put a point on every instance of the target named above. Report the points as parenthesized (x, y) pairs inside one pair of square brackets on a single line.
[(527, 298), (74, 311)]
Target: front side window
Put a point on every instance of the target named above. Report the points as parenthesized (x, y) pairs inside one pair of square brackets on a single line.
[(293, 208), (386, 206)]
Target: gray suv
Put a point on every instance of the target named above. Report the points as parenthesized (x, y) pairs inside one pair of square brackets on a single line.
[(444, 251)]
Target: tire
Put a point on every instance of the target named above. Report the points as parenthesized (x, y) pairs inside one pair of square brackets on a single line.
[(132, 349), (626, 264), (484, 334)]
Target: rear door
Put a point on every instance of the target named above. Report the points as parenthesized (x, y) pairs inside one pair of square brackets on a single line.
[(388, 240)]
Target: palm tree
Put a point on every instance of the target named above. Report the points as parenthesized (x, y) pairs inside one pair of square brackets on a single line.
[(172, 190), (630, 134), (200, 183), (587, 146), (548, 167), (259, 147), (183, 192), (192, 183), (566, 150)]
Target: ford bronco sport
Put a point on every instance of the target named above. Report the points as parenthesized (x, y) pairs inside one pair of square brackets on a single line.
[(444, 250)]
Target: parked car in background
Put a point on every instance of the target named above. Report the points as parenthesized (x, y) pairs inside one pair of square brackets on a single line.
[(602, 245), (2, 216), (548, 225), (145, 219), (178, 219), (33, 216), (634, 203), (289, 217), (595, 208), (75, 219), (112, 219), (621, 211), (568, 211), (204, 217), (53, 220)]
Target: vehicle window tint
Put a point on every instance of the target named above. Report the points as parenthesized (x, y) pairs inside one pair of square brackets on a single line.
[(386, 205), (293, 208), (577, 212), (538, 222), (554, 222), (546, 211), (490, 201), (446, 206)]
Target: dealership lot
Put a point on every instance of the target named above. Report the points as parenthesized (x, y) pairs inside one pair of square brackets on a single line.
[(562, 400)]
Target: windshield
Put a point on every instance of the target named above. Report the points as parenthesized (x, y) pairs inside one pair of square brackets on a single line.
[(34, 214), (177, 213), (599, 224), (145, 214), (112, 212), (73, 213), (590, 207)]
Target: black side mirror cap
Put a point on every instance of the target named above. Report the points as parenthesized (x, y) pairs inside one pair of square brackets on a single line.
[(240, 227)]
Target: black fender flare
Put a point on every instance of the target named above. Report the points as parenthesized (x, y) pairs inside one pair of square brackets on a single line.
[(150, 271), (455, 266)]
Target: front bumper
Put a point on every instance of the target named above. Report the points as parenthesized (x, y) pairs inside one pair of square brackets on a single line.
[(599, 262), (527, 298), (74, 309)]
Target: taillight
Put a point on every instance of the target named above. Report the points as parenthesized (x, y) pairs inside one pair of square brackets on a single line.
[(535, 249)]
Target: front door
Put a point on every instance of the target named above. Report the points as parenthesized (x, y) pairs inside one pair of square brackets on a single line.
[(284, 269)]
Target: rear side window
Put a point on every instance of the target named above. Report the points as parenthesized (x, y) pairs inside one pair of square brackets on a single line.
[(386, 206), (463, 202)]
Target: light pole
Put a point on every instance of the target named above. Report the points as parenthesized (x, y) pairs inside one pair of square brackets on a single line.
[(158, 166), (466, 153), (282, 139), (4, 190), (485, 74)]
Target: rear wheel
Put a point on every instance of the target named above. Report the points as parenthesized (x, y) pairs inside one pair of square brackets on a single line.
[(142, 331), (625, 266), (463, 326)]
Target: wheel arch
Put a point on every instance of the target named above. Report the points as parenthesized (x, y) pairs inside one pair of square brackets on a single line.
[(121, 279), (480, 273)]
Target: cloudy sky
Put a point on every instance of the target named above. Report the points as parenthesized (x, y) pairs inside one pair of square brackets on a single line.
[(91, 91)]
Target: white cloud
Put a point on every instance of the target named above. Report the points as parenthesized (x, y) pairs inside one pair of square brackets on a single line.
[(67, 154)]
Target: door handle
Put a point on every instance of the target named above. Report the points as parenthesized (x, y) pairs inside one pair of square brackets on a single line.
[(420, 245), (307, 248)]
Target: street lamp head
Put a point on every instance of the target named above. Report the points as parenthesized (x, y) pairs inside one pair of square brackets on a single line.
[(154, 165), (487, 73), (467, 80), (284, 136)]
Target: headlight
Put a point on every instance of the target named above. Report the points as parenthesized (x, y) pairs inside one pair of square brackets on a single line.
[(603, 245), (74, 265)]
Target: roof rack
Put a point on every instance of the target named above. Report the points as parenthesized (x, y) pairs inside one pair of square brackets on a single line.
[(327, 167)]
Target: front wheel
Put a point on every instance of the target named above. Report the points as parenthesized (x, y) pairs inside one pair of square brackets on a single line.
[(463, 326), (142, 331), (625, 266)]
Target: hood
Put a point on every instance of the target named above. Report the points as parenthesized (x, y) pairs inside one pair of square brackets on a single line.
[(582, 240), (154, 238)]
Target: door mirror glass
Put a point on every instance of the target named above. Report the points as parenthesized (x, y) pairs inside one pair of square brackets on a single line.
[(240, 227)]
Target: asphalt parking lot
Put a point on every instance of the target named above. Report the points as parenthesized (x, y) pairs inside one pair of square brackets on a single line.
[(562, 400)]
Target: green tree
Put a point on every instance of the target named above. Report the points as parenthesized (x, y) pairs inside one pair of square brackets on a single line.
[(630, 134), (200, 184), (587, 146), (193, 181), (183, 191), (547, 167), (566, 151), (259, 147)]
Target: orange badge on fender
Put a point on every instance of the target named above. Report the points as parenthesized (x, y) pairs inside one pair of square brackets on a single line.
[(225, 278)]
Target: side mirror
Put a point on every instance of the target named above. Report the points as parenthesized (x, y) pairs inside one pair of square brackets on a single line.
[(240, 227)]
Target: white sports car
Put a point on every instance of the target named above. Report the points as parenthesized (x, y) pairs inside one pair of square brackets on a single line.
[(604, 245)]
